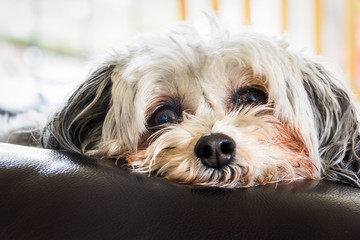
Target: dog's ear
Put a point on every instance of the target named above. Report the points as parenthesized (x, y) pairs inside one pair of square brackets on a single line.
[(77, 126), (337, 123)]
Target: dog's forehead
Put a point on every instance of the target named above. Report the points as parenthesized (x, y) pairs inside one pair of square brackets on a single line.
[(203, 72), (208, 83), (193, 82)]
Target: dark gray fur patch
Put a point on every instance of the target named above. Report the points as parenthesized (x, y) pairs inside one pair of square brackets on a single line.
[(343, 140), (68, 130)]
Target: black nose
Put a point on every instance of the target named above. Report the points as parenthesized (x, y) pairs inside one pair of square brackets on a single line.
[(215, 150)]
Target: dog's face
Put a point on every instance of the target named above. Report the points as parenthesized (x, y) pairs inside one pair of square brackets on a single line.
[(224, 111)]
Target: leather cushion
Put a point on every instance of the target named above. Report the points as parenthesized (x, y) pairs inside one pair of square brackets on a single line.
[(47, 194)]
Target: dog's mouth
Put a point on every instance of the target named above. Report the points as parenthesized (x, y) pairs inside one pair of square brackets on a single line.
[(229, 176), (190, 171)]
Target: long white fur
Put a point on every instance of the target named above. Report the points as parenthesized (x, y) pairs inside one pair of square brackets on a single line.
[(305, 102)]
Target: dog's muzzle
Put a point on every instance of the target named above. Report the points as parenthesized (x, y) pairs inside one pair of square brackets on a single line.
[(215, 150)]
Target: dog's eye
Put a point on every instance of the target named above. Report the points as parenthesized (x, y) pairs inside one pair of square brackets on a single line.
[(251, 96), (163, 115)]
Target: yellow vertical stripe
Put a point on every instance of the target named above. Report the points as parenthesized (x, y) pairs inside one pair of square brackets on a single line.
[(284, 20), (351, 39), (215, 6), (182, 8), (247, 12), (319, 16)]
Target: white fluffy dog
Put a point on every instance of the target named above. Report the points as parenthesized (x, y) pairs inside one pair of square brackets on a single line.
[(221, 110)]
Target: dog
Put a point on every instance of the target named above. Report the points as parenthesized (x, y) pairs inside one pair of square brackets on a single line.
[(214, 109)]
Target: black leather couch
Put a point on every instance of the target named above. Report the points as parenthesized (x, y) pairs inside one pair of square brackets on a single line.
[(47, 194)]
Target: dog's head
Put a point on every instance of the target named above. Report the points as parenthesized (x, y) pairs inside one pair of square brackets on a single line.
[(218, 110)]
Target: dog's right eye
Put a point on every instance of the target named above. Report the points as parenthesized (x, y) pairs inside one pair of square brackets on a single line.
[(163, 115)]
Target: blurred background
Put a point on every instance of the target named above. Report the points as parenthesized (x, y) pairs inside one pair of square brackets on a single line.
[(48, 46)]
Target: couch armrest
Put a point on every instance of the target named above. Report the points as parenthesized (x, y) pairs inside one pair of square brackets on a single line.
[(46, 194)]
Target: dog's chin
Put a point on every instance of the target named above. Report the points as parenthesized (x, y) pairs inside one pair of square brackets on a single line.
[(266, 151)]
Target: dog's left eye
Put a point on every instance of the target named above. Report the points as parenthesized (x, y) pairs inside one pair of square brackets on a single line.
[(251, 96), (163, 115)]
